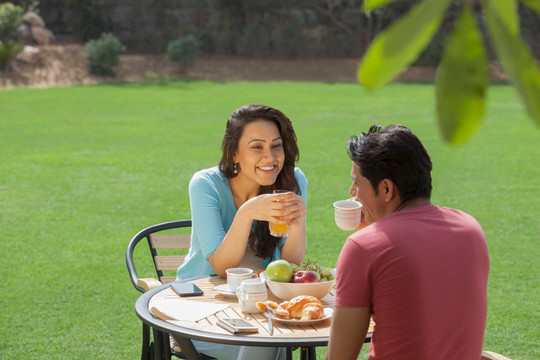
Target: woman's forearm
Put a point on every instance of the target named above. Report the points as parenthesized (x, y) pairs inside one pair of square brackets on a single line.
[(232, 249)]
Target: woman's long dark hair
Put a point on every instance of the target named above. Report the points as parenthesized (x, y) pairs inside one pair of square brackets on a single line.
[(260, 240)]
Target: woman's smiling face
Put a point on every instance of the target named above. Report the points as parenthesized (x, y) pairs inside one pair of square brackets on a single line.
[(260, 155)]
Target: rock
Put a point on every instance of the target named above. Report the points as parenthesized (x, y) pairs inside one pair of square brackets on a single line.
[(41, 35), (33, 19), (24, 32), (29, 54)]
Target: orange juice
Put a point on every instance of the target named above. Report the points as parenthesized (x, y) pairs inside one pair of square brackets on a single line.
[(281, 229)]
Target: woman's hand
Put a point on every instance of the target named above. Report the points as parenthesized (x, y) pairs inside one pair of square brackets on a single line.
[(283, 208), (293, 210)]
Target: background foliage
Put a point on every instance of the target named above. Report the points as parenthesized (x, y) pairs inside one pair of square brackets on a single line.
[(103, 54), (10, 19), (462, 76), (302, 28)]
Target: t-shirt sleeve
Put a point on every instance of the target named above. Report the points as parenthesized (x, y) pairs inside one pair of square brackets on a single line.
[(205, 201), (302, 183), (353, 285)]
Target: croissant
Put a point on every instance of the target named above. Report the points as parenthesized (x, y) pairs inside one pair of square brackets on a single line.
[(302, 307)]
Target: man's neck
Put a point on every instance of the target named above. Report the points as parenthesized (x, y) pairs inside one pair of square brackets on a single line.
[(407, 204)]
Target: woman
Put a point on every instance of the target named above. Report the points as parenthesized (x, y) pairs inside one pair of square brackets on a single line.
[(231, 204)]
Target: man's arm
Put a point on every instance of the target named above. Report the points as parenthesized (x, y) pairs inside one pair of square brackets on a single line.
[(348, 332)]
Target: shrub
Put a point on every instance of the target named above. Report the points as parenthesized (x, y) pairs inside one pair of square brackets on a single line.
[(11, 17), (103, 54), (183, 50), (8, 51)]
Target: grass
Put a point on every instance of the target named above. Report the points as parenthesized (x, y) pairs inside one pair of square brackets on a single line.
[(84, 168)]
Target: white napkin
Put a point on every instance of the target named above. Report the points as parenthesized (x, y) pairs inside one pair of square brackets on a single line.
[(186, 310)]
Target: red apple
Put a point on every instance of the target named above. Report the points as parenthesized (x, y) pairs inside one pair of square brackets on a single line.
[(304, 276)]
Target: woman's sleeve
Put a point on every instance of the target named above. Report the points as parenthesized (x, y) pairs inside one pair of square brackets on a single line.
[(302, 183), (206, 205)]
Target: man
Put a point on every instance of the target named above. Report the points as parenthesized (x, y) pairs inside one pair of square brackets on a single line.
[(419, 270)]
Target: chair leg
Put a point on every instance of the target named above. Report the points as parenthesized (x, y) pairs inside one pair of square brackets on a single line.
[(166, 346), (152, 351), (146, 345), (158, 345), (308, 353), (289, 353)]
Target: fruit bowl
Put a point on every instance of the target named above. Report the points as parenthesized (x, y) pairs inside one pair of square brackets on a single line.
[(287, 291)]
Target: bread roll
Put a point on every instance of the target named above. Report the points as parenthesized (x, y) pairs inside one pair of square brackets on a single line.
[(305, 308), (302, 307)]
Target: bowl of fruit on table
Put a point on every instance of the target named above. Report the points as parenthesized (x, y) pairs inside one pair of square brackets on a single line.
[(287, 280)]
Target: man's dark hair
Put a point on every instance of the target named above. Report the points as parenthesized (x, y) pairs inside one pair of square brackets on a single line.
[(393, 153)]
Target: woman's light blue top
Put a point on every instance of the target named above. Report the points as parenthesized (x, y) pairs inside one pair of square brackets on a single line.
[(212, 213)]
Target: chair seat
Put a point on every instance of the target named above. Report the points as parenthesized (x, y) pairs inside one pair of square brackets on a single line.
[(177, 351), (489, 355)]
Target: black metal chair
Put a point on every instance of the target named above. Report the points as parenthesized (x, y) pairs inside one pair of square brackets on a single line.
[(171, 239)]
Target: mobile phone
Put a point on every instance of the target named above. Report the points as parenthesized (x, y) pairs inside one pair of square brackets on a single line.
[(237, 325), (186, 289)]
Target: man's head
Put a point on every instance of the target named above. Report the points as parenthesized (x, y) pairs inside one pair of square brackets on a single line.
[(393, 153)]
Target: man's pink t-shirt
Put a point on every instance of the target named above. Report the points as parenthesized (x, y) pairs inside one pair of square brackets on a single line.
[(423, 272)]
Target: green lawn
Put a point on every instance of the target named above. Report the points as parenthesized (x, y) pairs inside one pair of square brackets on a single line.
[(84, 168)]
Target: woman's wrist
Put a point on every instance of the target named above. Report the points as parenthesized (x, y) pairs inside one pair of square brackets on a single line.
[(244, 214)]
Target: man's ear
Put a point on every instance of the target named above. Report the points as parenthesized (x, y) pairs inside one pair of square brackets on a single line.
[(388, 189)]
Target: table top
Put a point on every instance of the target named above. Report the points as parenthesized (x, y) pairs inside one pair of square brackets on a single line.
[(206, 329)]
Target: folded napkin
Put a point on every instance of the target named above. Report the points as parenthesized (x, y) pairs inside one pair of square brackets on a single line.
[(186, 310)]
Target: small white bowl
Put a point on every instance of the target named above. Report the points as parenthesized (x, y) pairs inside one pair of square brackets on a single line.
[(287, 291)]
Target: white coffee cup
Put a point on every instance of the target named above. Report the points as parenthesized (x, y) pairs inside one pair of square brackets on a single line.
[(249, 293), (235, 276), (348, 214)]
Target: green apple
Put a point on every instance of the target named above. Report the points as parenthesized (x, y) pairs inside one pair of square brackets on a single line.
[(279, 270)]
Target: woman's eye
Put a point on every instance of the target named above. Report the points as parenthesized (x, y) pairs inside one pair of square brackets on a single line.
[(277, 146)]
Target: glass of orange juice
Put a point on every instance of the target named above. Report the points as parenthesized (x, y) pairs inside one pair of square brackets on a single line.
[(279, 230)]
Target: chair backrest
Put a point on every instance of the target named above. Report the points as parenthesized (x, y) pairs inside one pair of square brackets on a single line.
[(489, 355), (160, 240)]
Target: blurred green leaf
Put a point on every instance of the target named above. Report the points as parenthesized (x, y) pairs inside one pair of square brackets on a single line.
[(374, 4), (461, 81), (533, 5), (399, 45), (516, 59), (507, 13)]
